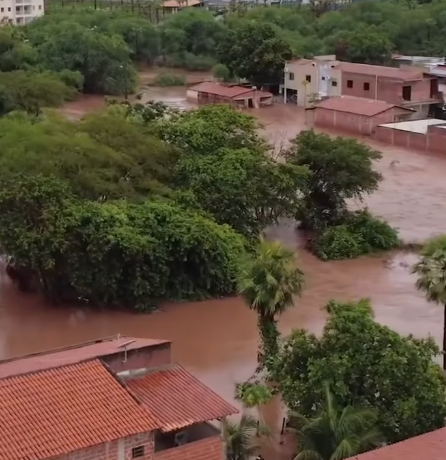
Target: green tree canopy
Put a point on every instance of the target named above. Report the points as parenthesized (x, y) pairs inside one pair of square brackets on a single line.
[(367, 364)]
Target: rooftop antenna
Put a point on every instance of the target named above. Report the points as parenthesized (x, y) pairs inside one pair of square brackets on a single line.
[(124, 347)]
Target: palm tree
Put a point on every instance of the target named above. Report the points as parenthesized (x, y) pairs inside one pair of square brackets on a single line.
[(242, 438), (431, 271), (268, 281), (335, 433)]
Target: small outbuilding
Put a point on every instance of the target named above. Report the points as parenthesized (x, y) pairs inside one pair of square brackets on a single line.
[(356, 115), (240, 96)]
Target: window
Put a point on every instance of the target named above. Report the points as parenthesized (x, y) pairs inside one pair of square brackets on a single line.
[(9, 8), (40, 7), (334, 83), (349, 83), (291, 76), (407, 93), (308, 78), (366, 86), (2, 10), (323, 78), (138, 452)]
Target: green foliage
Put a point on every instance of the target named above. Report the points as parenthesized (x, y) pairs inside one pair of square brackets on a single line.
[(221, 72), (255, 52), (430, 247), (335, 433), (368, 363), (253, 394), (268, 281), (361, 233), (170, 79)]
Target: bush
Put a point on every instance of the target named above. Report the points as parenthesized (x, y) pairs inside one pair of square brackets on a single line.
[(198, 62), (433, 245), (360, 233), (221, 72), (337, 243), (170, 79)]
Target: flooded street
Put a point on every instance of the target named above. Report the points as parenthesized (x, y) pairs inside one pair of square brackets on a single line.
[(217, 339)]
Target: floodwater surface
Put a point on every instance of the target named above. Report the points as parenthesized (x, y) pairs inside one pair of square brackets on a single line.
[(217, 339)]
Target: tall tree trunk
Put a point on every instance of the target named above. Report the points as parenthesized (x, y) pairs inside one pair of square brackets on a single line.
[(269, 335), (444, 339)]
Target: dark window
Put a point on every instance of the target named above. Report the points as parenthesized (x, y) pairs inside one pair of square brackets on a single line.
[(291, 76), (9, 8), (407, 93), (40, 7), (349, 83), (334, 83), (2, 10), (323, 78), (17, 9), (366, 86), (138, 452), (308, 78)]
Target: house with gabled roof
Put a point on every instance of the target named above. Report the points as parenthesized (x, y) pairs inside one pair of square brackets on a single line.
[(112, 399)]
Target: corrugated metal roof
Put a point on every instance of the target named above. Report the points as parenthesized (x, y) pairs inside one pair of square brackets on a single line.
[(429, 446), (406, 74), (57, 411), (356, 105), (220, 90), (177, 399), (73, 354)]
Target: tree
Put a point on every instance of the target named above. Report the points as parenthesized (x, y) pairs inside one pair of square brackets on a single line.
[(221, 72), (268, 282), (341, 169), (431, 272), (254, 51), (243, 188), (241, 438), (335, 433), (369, 364)]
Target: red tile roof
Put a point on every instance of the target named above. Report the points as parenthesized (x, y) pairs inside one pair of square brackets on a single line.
[(406, 74), (206, 449), (220, 90), (177, 399), (356, 105), (57, 411), (73, 354), (429, 446)]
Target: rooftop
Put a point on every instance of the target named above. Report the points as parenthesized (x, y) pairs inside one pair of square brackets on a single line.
[(220, 90), (406, 74), (177, 399), (355, 105), (54, 412), (72, 354), (429, 446), (416, 126)]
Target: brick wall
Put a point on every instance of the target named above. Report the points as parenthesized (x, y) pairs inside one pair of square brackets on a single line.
[(432, 142), (140, 358), (206, 449), (116, 450)]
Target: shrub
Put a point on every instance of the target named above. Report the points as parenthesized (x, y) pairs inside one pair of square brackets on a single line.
[(336, 243), (170, 79), (221, 72), (434, 244), (360, 233), (198, 62)]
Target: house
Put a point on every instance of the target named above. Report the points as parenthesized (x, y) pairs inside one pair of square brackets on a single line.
[(21, 12), (427, 135), (355, 115), (409, 87), (307, 80), (173, 6), (429, 446), (112, 399), (240, 96)]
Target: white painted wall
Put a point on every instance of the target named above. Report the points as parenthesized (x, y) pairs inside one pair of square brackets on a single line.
[(20, 12)]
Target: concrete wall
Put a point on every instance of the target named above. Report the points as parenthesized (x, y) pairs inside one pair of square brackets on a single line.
[(154, 356), (116, 450), (353, 123), (434, 141)]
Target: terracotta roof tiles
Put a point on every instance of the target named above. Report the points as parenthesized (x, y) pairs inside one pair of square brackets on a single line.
[(57, 411), (177, 399), (356, 105), (220, 90), (429, 446)]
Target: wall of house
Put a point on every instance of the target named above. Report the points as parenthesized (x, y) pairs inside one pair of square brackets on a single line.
[(434, 141), (207, 449), (141, 358), (116, 450), (351, 122)]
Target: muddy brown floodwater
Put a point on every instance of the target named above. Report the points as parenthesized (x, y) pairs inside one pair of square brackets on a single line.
[(217, 339)]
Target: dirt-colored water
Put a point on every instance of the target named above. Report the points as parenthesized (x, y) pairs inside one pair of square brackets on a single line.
[(217, 339)]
